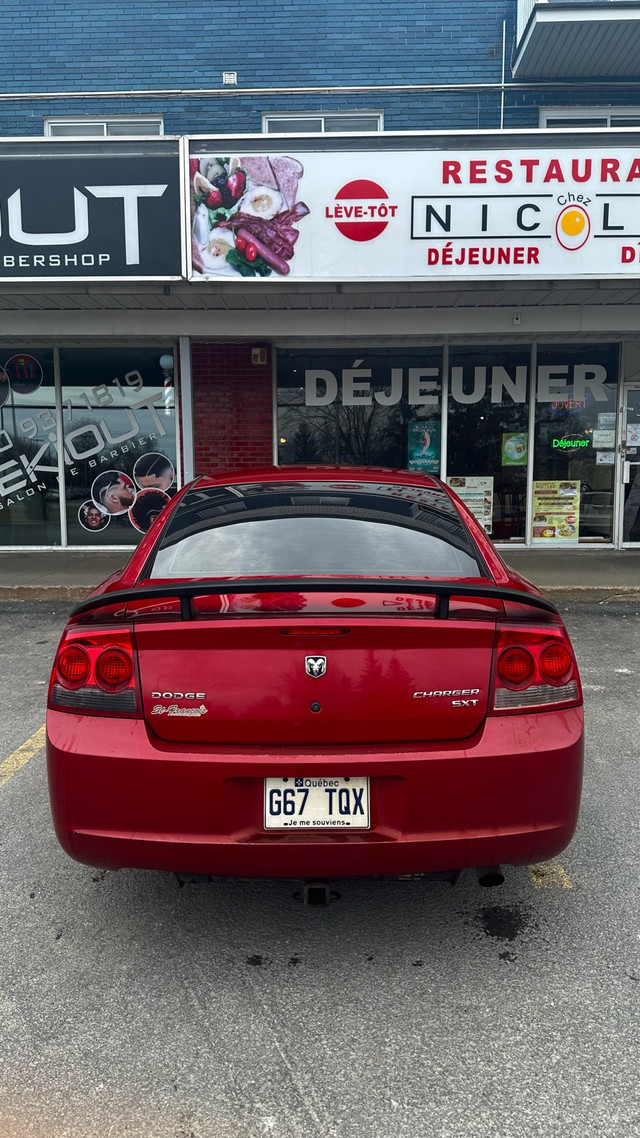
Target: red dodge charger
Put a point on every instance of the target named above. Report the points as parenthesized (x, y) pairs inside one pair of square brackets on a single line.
[(315, 673)]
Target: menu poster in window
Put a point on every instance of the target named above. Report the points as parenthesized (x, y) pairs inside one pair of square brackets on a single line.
[(423, 446), (603, 439), (515, 449), (477, 495), (556, 512)]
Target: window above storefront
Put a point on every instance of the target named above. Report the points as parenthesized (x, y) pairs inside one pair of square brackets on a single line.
[(591, 117), (351, 122), (115, 126)]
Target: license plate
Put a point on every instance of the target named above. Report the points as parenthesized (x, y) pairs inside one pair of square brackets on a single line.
[(316, 803)]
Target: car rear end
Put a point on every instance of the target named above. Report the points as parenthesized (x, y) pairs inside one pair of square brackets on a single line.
[(276, 697)]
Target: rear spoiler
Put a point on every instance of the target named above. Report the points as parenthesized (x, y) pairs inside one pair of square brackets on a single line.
[(185, 590)]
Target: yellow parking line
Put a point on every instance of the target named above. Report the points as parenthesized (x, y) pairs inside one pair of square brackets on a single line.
[(549, 875), (18, 759)]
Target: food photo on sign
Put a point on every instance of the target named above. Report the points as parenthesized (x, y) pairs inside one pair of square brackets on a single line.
[(245, 212)]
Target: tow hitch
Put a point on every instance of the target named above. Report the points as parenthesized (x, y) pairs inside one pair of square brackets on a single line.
[(318, 894)]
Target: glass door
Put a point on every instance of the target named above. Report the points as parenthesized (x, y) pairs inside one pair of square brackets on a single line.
[(631, 466)]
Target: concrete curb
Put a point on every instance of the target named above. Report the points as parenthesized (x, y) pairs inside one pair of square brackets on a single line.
[(71, 593), (594, 593)]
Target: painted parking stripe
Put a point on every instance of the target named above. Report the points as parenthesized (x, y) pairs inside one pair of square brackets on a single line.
[(549, 875), (18, 759)]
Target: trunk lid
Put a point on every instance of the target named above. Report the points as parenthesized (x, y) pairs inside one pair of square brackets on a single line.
[(357, 678)]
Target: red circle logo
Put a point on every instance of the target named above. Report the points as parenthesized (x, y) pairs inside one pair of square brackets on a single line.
[(361, 210)]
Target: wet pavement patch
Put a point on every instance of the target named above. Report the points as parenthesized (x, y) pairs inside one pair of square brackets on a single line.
[(503, 922)]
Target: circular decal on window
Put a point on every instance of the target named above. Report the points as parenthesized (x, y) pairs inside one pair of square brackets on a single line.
[(24, 373), (154, 471), (147, 506), (92, 518), (113, 492)]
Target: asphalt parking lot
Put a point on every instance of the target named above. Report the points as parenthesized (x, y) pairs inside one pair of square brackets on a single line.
[(134, 1004)]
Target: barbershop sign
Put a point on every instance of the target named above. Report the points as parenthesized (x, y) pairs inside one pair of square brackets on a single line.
[(89, 217), (430, 215)]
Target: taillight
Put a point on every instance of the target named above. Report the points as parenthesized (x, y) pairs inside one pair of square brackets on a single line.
[(95, 673), (516, 667), (114, 669), (74, 666), (534, 668), (555, 663)]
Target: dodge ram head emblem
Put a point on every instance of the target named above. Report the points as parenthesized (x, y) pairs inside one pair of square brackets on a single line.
[(315, 666)]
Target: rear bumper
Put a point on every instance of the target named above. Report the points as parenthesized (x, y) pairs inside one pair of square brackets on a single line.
[(122, 798)]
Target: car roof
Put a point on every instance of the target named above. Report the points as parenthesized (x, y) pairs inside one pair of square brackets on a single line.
[(364, 474)]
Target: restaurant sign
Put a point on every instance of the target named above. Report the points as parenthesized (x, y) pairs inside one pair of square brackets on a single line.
[(425, 214)]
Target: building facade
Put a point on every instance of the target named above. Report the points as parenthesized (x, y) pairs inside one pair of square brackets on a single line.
[(389, 235)]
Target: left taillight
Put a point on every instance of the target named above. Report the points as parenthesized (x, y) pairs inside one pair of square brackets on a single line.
[(95, 673), (534, 668)]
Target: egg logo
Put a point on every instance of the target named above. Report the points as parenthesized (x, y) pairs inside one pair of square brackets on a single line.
[(573, 227), (361, 210)]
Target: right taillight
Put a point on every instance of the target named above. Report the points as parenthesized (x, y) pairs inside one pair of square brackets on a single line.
[(555, 663), (534, 668), (95, 673)]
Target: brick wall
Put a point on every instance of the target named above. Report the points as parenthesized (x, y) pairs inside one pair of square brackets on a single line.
[(72, 46), (75, 46), (232, 408)]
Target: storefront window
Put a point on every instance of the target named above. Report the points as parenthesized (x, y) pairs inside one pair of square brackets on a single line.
[(120, 441), (29, 490), (575, 444), (360, 407), (488, 443)]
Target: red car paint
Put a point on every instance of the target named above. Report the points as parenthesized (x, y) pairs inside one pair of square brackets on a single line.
[(465, 713)]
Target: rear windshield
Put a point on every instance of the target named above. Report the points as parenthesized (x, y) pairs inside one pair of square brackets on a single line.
[(311, 529)]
